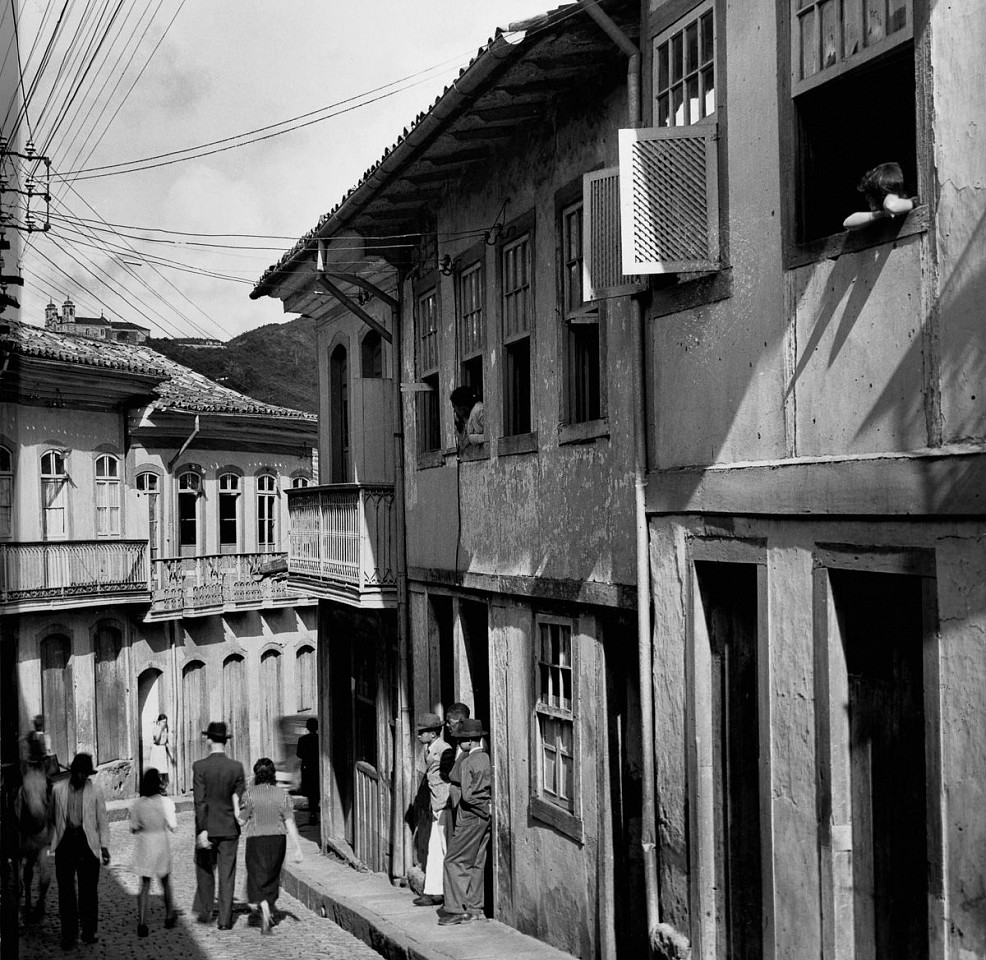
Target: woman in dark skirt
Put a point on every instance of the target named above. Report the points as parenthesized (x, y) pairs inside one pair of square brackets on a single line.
[(268, 819)]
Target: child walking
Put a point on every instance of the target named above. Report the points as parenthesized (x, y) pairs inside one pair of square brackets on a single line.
[(151, 817), (465, 859)]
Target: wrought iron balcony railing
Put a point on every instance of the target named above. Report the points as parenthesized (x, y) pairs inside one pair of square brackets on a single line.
[(187, 586), (47, 572), (343, 543)]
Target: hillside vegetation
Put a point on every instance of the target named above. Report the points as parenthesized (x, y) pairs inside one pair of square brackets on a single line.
[(274, 363)]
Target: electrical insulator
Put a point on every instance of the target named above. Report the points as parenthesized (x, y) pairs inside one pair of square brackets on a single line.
[(30, 148)]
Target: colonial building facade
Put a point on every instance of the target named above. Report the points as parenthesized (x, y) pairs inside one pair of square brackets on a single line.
[(139, 503), (714, 573)]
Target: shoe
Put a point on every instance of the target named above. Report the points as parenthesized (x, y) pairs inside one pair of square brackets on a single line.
[(89, 938), (203, 918), (476, 915), (142, 930), (68, 944), (452, 918), (170, 922), (428, 900), (225, 926)]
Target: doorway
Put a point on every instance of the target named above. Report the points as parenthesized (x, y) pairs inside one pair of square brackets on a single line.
[(339, 414), (149, 706)]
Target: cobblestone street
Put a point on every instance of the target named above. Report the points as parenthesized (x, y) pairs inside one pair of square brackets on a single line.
[(298, 932)]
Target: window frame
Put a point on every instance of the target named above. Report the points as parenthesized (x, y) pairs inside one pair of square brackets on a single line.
[(267, 494), (512, 439), (111, 483), (427, 360), (566, 818), (574, 318), (60, 501), (224, 494), (679, 27), (152, 491), (470, 320), (195, 488), (7, 474)]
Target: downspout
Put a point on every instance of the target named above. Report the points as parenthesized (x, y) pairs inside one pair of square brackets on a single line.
[(400, 840), (184, 446), (648, 837)]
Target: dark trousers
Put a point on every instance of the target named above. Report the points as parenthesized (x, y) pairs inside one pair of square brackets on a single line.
[(74, 858), (465, 864), (219, 859)]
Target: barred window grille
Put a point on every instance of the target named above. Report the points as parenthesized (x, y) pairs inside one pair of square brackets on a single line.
[(669, 199)]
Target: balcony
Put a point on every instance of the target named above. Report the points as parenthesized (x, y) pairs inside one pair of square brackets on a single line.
[(216, 583), (343, 543), (72, 573)]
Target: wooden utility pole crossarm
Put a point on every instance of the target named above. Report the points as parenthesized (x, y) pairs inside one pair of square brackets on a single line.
[(326, 284)]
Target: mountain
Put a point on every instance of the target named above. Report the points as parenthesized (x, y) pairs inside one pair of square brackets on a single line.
[(274, 363)]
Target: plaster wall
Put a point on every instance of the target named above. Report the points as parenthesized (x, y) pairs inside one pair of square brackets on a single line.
[(210, 464), (563, 509), (790, 708), (30, 432)]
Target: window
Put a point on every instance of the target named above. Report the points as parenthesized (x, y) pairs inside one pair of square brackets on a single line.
[(107, 496), (371, 356), (266, 512), (429, 418), (852, 80), (189, 490), (299, 482), (305, 678), (472, 327), (582, 359), (518, 321), (54, 496), (6, 493), (339, 414), (555, 709), (229, 513), (149, 487), (685, 71)]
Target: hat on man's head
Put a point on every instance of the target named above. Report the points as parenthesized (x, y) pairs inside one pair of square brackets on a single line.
[(429, 721), (469, 730), (217, 732)]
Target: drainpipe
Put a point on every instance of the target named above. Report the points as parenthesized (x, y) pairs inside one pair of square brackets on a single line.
[(648, 839), (401, 852), (184, 446)]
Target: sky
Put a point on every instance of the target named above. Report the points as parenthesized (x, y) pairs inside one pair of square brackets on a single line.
[(213, 70)]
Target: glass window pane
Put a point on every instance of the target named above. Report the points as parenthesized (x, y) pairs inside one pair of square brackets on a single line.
[(708, 38), (694, 104), (677, 57), (566, 690), (875, 25), (662, 67), (897, 18), (678, 106), (548, 772), (809, 53), (829, 16), (566, 777), (663, 115), (852, 27), (708, 92), (691, 47)]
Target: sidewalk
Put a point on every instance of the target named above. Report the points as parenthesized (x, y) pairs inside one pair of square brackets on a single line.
[(383, 916)]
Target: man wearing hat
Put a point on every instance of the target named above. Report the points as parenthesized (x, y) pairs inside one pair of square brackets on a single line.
[(465, 859), (216, 781), (430, 735)]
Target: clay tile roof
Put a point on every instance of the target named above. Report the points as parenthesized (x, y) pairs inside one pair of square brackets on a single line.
[(32, 341), (181, 388), (492, 50)]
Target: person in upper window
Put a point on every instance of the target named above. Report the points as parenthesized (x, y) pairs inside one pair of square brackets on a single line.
[(470, 418)]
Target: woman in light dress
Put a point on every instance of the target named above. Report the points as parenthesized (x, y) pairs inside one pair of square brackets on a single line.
[(160, 758), (267, 819), (151, 817)]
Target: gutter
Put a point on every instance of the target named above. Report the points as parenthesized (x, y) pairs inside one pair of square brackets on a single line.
[(648, 833), (184, 446)]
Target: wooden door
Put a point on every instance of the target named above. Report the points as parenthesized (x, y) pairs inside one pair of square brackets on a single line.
[(195, 717), (58, 695), (270, 703), (236, 710), (111, 695)]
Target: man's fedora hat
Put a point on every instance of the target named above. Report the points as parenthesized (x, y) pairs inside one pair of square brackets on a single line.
[(217, 732), (469, 730), (429, 721)]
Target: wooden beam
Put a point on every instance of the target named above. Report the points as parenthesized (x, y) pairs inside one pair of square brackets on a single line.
[(520, 111), (483, 133), (354, 308), (357, 281)]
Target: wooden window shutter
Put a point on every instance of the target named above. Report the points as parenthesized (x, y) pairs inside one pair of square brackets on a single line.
[(669, 199), (602, 271)]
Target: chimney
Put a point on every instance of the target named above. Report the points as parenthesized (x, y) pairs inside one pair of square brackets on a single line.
[(51, 315), (68, 312)]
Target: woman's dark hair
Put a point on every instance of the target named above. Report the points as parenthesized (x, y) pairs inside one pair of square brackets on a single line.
[(81, 768), (881, 180), (150, 783), (463, 396), (162, 716), (264, 771)]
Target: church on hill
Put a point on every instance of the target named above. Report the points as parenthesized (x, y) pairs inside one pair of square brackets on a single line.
[(120, 331)]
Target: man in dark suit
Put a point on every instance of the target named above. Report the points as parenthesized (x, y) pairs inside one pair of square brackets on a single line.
[(216, 780)]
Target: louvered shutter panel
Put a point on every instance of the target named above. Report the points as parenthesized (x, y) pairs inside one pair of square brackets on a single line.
[(602, 271), (669, 199)]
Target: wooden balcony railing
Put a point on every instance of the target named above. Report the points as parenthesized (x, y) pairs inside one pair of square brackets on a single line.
[(189, 585), (72, 570), (343, 542)]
